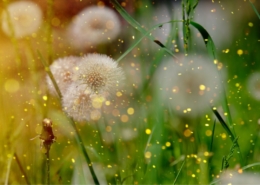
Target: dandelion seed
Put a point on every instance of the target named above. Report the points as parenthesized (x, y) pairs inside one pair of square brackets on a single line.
[(186, 92), (63, 70), (92, 26), (25, 17), (77, 103), (100, 73)]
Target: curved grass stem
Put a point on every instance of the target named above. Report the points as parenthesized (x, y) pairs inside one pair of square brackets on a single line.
[(21, 168), (77, 135)]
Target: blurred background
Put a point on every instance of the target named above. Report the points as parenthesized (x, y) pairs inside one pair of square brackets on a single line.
[(138, 139)]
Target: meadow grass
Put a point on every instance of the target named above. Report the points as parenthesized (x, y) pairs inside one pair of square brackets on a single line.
[(139, 139)]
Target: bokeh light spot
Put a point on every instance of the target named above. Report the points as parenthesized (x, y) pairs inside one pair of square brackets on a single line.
[(168, 144), (130, 111), (240, 52), (45, 98), (148, 155), (187, 133), (208, 133), (12, 85), (118, 94), (124, 118), (202, 87), (148, 131)]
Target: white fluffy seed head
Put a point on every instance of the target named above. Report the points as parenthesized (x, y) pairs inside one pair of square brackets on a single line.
[(238, 177), (63, 70), (25, 18), (81, 104), (93, 25), (100, 73), (189, 87), (253, 85)]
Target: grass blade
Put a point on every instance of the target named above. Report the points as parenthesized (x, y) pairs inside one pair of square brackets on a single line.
[(137, 26), (178, 173), (212, 138), (47, 69), (50, 13), (149, 139), (225, 163), (77, 135), (21, 168), (8, 169), (223, 124), (145, 35), (212, 52), (230, 133), (207, 39), (251, 165), (254, 8)]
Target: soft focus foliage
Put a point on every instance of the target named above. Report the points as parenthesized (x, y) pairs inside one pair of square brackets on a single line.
[(135, 105)]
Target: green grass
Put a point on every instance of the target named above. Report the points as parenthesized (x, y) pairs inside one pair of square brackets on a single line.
[(166, 148)]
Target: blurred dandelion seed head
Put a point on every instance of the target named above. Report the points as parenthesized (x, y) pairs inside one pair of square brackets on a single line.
[(238, 177), (25, 18), (77, 102), (253, 85), (189, 86), (93, 25)]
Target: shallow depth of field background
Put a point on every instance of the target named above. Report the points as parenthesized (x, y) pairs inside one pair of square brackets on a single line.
[(138, 138)]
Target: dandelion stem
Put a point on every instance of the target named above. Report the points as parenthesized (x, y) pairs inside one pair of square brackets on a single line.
[(21, 168), (77, 136), (48, 165), (83, 149), (47, 69)]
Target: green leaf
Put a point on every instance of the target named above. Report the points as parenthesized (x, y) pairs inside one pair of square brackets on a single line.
[(212, 52), (47, 69), (176, 178), (137, 26), (251, 165), (224, 125), (254, 8), (212, 136), (207, 39)]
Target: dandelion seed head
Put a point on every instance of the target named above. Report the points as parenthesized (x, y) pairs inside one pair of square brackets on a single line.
[(100, 73), (238, 177), (192, 92), (253, 85), (77, 103), (63, 70), (25, 18), (93, 25)]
